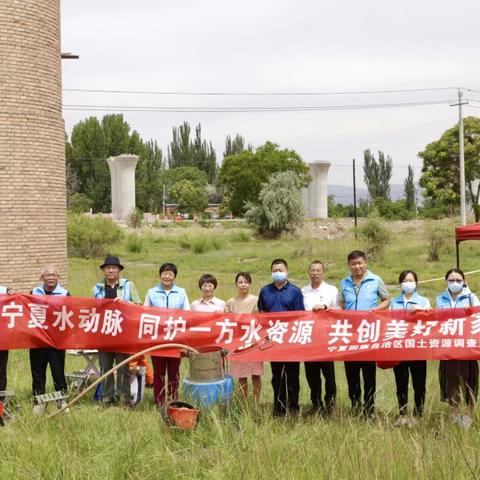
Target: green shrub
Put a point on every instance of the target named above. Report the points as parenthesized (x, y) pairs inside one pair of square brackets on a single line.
[(89, 237), (205, 223), (184, 242), (437, 234), (240, 236), (376, 237), (135, 219), (200, 244), (134, 243), (280, 207), (79, 203), (217, 242)]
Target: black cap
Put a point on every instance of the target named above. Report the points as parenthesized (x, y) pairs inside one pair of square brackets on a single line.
[(111, 260)]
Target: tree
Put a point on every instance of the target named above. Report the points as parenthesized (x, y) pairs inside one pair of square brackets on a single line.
[(149, 177), (243, 175), (192, 174), (409, 190), (190, 196), (279, 208), (91, 143), (377, 175), (197, 152), (440, 172), (237, 145)]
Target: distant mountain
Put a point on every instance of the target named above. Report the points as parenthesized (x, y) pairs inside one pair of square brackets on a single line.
[(344, 195)]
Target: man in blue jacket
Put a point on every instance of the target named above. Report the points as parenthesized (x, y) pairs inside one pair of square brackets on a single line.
[(114, 287), (40, 358), (362, 290)]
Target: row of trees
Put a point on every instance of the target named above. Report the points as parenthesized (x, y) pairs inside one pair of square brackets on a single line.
[(189, 172), (192, 178), (439, 179)]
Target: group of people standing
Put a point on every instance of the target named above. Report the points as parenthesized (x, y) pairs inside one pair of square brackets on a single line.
[(360, 290)]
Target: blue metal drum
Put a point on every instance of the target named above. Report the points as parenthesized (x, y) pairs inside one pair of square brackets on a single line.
[(209, 393)]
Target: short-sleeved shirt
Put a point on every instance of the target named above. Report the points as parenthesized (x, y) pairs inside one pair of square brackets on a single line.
[(242, 305), (285, 299), (212, 305), (325, 294)]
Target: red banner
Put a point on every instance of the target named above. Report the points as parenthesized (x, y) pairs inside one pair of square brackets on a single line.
[(28, 321)]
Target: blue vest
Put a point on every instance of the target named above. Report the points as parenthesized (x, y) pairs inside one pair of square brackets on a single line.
[(366, 296), (58, 290), (465, 299), (3, 290), (399, 303), (123, 289), (175, 298)]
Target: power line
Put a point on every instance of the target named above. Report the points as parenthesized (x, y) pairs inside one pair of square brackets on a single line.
[(192, 93), (160, 109)]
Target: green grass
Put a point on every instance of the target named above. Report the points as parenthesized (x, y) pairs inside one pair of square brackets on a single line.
[(241, 442)]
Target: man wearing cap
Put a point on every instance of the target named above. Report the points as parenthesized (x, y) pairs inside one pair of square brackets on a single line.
[(40, 358), (4, 353), (115, 287)]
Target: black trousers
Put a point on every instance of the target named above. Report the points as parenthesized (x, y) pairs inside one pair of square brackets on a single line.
[(286, 386), (40, 358), (369, 372), (313, 371), (3, 369), (418, 371)]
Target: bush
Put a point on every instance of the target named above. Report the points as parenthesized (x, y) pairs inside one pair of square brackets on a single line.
[(90, 237), (240, 236), (376, 237), (280, 207), (437, 235), (79, 203), (135, 219), (134, 244), (200, 244)]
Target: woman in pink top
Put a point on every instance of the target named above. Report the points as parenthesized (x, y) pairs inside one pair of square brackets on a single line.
[(209, 302), (244, 302)]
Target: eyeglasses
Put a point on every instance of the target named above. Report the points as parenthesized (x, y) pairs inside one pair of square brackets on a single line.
[(454, 281)]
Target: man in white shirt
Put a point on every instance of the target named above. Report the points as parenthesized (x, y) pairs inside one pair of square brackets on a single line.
[(318, 296)]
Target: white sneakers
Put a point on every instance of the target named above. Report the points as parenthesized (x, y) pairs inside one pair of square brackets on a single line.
[(463, 421), (403, 421), (38, 409)]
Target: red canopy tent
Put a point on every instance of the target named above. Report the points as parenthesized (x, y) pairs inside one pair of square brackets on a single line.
[(466, 232)]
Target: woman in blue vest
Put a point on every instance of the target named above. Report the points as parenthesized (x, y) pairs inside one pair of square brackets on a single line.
[(166, 295), (452, 372), (411, 301)]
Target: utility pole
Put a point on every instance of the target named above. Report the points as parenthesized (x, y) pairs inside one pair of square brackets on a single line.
[(463, 208), (354, 199)]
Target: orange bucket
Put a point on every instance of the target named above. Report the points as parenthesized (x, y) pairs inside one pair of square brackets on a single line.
[(181, 415)]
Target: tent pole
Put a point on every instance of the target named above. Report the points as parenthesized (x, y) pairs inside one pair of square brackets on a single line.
[(458, 253)]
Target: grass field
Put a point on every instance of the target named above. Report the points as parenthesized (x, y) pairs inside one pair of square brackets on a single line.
[(244, 442)]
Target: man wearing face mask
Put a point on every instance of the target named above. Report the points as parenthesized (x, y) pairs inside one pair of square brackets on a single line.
[(282, 296)]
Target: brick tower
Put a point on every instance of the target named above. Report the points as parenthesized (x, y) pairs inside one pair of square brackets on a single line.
[(32, 144)]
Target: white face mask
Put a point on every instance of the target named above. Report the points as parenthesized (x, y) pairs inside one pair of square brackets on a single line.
[(455, 287), (408, 287)]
